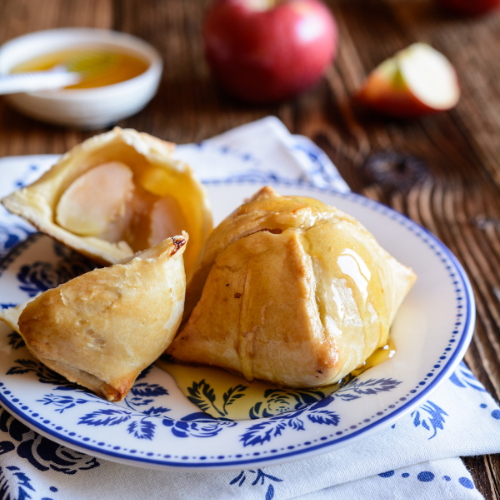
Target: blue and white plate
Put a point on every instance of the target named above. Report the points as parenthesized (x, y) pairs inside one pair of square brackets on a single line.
[(157, 427)]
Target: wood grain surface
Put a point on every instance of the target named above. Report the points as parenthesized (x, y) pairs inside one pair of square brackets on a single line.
[(443, 171)]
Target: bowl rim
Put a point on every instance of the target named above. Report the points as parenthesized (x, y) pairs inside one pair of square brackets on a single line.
[(99, 37)]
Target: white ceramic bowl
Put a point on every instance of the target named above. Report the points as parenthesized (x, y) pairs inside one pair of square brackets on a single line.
[(83, 108)]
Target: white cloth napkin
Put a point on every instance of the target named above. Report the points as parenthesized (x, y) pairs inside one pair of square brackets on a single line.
[(415, 459)]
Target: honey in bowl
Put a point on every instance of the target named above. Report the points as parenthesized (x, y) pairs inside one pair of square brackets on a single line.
[(115, 65), (228, 396)]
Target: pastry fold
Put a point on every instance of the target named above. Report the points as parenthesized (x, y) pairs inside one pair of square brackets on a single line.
[(103, 328), (138, 195), (291, 291)]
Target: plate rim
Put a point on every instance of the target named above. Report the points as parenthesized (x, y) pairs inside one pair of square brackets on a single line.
[(463, 339)]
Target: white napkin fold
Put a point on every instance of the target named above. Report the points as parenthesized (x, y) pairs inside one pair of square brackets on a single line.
[(415, 459)]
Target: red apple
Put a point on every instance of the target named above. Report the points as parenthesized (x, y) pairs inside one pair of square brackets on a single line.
[(415, 82), (269, 50), (470, 7)]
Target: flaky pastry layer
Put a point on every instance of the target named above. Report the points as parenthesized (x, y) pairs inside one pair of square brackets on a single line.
[(154, 170), (103, 328)]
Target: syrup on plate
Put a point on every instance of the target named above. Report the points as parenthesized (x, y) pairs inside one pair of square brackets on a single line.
[(225, 395)]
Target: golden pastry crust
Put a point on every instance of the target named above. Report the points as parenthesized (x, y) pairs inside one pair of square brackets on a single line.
[(103, 328), (154, 170), (291, 291)]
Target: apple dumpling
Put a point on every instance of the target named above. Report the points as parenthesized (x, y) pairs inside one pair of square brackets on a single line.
[(116, 194), (291, 291), (104, 327)]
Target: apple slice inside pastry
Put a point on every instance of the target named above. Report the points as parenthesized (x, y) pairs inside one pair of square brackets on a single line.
[(291, 291), (97, 200), (103, 328), (116, 194)]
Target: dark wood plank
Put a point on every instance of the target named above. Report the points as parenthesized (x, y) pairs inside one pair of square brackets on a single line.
[(458, 200)]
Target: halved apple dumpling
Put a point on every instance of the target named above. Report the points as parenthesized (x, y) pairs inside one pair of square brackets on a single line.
[(101, 329), (116, 194)]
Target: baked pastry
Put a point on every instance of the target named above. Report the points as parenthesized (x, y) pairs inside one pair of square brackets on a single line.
[(115, 194), (291, 291), (103, 328)]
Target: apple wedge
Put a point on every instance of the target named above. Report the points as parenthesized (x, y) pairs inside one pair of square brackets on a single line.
[(415, 82)]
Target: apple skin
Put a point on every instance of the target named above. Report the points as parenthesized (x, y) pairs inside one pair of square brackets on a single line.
[(382, 96), (470, 7), (267, 55)]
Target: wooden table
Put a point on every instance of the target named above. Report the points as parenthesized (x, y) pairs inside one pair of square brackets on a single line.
[(454, 189)]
